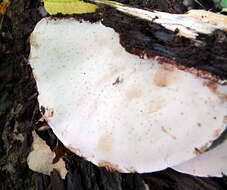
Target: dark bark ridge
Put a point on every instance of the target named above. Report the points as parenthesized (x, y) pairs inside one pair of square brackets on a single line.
[(206, 53)]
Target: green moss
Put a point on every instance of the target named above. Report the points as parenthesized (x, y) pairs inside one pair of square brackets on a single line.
[(221, 3)]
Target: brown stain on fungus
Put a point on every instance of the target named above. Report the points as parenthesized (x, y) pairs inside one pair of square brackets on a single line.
[(166, 76), (223, 97), (109, 166), (213, 87), (160, 79), (132, 93), (105, 143), (225, 119), (33, 41), (155, 106), (197, 72), (217, 132), (168, 67), (168, 133)]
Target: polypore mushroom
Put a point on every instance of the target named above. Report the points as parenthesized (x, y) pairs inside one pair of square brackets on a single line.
[(209, 164), (115, 109)]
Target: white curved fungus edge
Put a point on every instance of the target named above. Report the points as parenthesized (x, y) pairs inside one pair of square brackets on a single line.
[(115, 109), (209, 164)]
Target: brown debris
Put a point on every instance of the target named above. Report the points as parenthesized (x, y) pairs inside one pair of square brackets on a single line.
[(59, 151), (217, 132), (109, 166), (201, 149)]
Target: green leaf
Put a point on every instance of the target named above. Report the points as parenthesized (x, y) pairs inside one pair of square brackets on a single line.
[(221, 3)]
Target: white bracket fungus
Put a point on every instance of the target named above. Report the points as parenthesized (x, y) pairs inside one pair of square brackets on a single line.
[(115, 109), (212, 163)]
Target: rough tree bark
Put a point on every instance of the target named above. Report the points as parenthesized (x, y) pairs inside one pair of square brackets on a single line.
[(19, 111)]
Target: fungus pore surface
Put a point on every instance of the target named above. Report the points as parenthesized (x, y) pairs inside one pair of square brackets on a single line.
[(116, 109), (208, 164)]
